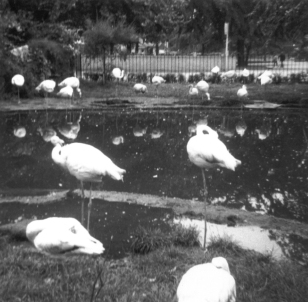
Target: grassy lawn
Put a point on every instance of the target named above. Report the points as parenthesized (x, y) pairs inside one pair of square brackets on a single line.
[(153, 275), (221, 94)]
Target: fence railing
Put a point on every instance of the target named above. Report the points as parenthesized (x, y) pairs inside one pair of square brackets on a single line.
[(93, 68)]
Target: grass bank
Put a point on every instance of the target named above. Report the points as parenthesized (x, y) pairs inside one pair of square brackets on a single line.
[(150, 273), (221, 94)]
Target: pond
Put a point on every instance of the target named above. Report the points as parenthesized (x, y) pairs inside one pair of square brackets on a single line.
[(151, 146)]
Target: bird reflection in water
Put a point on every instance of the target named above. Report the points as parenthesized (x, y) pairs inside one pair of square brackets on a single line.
[(70, 130)]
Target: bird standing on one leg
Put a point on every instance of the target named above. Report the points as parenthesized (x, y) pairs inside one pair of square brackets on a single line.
[(18, 80), (206, 151), (157, 80), (46, 86), (87, 164), (242, 93), (208, 282), (118, 74)]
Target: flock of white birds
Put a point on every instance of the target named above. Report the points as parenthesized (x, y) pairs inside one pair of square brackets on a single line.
[(205, 282), (202, 87)]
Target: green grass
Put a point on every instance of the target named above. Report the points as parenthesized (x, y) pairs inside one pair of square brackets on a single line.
[(27, 275), (221, 94)]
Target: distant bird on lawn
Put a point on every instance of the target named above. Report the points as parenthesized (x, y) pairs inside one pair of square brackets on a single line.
[(203, 86), (208, 282), (245, 74), (66, 92), (87, 164), (157, 80), (46, 87), (193, 90), (72, 82), (242, 92), (140, 88), (62, 236), (118, 74), (206, 151), (229, 76), (18, 80)]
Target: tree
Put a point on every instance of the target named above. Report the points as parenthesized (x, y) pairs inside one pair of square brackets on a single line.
[(103, 35)]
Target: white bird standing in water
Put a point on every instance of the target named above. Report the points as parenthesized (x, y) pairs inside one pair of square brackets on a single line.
[(18, 80), (118, 74), (87, 164), (57, 235), (72, 82), (46, 86), (208, 282), (157, 80), (203, 86), (206, 151)]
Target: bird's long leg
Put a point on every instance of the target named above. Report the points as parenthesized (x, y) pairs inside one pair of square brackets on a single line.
[(18, 96), (82, 203), (89, 207), (205, 202)]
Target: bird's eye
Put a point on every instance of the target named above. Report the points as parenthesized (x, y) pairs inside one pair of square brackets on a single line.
[(205, 132), (59, 152)]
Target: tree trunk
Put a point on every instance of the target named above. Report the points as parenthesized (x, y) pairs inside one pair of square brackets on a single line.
[(157, 49), (240, 53)]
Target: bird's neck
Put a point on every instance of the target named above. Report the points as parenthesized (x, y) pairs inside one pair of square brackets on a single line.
[(57, 155)]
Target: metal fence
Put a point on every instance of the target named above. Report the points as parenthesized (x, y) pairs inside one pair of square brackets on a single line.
[(93, 68)]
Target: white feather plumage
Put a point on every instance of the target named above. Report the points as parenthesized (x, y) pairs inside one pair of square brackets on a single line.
[(57, 235), (209, 282)]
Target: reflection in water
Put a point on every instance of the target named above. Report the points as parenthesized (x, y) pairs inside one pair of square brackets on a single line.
[(46, 133), (117, 140), (271, 180), (70, 130), (156, 133), (20, 131), (265, 129), (271, 167), (138, 131), (241, 127)]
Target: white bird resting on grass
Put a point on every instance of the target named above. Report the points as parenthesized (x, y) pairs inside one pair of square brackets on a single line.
[(208, 282), (18, 80), (140, 88), (87, 164), (72, 82), (242, 92), (58, 236)]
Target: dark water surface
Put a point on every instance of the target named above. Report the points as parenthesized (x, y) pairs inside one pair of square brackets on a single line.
[(151, 146)]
